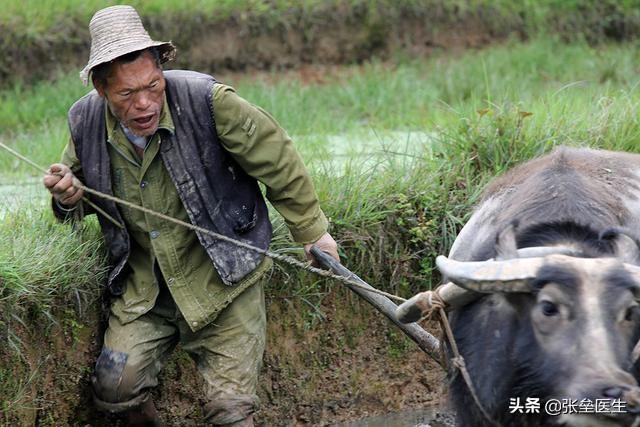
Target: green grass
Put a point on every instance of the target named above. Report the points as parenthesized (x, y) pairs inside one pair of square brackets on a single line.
[(36, 17), (480, 112), (570, 84), (49, 274), (44, 266)]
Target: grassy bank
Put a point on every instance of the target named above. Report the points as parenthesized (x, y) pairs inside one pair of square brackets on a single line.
[(38, 18), (477, 113), (480, 112), (571, 83), (42, 39)]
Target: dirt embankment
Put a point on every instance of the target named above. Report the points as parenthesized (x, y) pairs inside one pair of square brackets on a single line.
[(327, 33), (351, 365)]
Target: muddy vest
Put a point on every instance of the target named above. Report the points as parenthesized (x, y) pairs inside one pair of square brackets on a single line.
[(216, 193)]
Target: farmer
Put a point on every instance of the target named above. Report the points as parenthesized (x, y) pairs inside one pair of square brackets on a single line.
[(184, 145)]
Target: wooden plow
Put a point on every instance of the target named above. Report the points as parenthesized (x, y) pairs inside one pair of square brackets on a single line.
[(409, 312)]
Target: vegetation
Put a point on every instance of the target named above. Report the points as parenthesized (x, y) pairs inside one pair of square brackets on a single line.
[(569, 84), (44, 38), (36, 18), (474, 115)]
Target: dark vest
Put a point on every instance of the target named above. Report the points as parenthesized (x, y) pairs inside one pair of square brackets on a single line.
[(216, 193)]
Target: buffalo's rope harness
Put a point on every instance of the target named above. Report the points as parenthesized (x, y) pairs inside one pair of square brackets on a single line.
[(438, 305)]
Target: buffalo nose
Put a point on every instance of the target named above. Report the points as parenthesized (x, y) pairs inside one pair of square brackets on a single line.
[(613, 392)]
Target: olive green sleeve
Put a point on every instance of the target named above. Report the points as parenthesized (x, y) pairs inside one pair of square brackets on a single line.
[(265, 151)]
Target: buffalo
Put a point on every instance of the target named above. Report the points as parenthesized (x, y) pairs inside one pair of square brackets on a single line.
[(550, 338)]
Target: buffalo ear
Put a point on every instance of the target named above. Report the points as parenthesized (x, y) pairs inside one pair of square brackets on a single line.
[(506, 245), (625, 244)]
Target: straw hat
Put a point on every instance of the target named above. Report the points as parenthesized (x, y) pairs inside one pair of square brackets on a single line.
[(116, 31)]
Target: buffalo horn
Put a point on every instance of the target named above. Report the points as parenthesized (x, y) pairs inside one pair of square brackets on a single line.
[(456, 295), (542, 251), (491, 276)]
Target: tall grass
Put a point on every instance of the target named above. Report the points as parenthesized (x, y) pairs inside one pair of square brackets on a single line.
[(36, 17), (480, 113), (554, 81), (44, 267)]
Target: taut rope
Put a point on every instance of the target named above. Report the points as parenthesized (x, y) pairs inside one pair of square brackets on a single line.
[(283, 258)]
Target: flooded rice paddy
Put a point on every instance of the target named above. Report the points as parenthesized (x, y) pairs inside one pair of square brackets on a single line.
[(362, 150), (25, 193), (337, 154)]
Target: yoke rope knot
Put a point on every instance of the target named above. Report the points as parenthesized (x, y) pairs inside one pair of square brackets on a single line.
[(459, 362), (435, 304)]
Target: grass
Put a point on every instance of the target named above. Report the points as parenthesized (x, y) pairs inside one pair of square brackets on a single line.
[(36, 17), (49, 275), (480, 112), (545, 77), (44, 266), (540, 94)]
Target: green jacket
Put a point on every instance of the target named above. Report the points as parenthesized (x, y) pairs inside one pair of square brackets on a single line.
[(259, 145)]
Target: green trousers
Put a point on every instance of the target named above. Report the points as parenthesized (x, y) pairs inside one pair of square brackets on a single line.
[(228, 353)]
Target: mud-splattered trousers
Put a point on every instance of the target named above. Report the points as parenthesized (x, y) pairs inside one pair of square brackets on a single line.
[(228, 353)]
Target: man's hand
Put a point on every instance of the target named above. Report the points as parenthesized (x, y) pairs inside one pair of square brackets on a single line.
[(63, 185), (325, 243)]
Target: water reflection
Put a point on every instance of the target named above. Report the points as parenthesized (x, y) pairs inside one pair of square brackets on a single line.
[(21, 194), (364, 149)]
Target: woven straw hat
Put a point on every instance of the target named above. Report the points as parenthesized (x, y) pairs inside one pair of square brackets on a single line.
[(116, 31)]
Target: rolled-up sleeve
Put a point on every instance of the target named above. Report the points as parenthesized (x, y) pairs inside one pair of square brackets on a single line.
[(265, 151)]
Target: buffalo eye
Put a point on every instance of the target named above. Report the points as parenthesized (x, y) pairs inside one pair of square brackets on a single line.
[(548, 308)]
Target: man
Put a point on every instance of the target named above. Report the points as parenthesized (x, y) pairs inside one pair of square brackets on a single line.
[(182, 144)]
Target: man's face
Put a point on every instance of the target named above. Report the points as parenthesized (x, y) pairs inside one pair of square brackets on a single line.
[(134, 92)]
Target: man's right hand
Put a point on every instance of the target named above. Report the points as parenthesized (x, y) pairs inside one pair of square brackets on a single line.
[(62, 185)]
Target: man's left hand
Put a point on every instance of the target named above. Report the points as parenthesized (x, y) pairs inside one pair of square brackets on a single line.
[(324, 243)]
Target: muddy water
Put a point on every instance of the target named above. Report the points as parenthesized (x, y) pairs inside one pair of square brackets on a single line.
[(363, 149), (428, 417), (340, 153), (17, 194)]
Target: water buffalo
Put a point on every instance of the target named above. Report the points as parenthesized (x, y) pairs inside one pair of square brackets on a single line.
[(557, 327)]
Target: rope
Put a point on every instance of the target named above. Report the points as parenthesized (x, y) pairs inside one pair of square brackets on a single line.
[(438, 305), (283, 258)]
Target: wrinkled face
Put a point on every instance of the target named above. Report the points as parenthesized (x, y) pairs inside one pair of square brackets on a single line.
[(135, 94), (586, 318)]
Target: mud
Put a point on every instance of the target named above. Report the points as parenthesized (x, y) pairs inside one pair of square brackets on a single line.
[(351, 365)]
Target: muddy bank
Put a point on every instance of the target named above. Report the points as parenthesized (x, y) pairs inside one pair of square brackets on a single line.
[(350, 365), (334, 32)]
